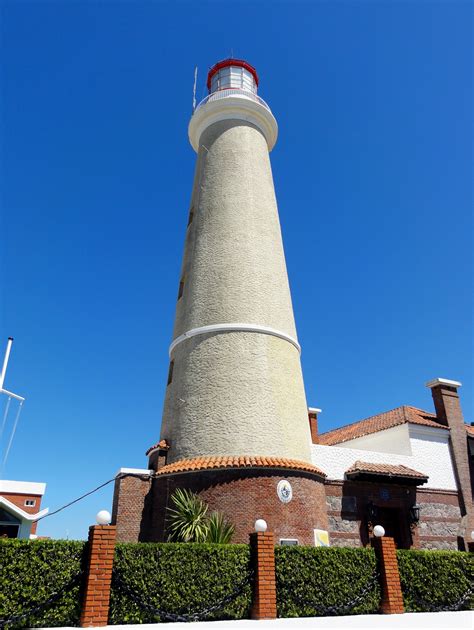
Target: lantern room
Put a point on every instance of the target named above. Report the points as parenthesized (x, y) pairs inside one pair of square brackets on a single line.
[(232, 74)]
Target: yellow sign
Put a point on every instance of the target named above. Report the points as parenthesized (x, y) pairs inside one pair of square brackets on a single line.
[(321, 538)]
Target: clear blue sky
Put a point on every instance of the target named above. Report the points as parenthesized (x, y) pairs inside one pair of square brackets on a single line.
[(372, 171)]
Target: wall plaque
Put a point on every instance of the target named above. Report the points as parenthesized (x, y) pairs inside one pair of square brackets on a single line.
[(284, 491)]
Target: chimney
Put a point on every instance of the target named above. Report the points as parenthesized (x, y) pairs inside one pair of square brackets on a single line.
[(449, 414), (313, 423)]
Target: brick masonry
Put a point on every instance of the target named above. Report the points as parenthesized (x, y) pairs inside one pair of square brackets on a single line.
[(130, 507), (96, 594), (392, 598), (262, 546), (449, 413), (19, 500), (243, 495)]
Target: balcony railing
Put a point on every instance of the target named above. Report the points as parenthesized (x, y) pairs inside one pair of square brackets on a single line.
[(219, 94)]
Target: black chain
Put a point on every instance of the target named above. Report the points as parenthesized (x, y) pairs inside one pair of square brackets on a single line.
[(339, 608), (168, 616), (429, 607), (46, 603)]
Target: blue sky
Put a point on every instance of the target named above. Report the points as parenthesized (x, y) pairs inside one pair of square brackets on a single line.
[(372, 172)]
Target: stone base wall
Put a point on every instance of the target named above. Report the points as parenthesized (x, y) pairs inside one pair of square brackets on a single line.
[(346, 501), (440, 519)]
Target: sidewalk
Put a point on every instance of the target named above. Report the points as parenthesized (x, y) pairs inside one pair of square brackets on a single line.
[(463, 620)]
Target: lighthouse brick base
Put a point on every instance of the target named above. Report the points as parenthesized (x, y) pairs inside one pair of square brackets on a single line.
[(242, 495)]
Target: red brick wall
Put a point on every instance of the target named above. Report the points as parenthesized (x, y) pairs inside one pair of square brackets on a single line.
[(245, 495), (96, 595), (130, 507), (449, 413), (262, 546), (392, 598), (19, 501)]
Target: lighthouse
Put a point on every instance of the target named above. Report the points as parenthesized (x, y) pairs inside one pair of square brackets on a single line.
[(235, 386), (235, 425)]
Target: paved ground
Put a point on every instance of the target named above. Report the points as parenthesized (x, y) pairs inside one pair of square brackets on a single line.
[(463, 620)]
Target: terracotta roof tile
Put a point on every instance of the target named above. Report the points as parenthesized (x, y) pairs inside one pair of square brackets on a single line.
[(384, 469), (162, 444), (207, 463), (381, 421)]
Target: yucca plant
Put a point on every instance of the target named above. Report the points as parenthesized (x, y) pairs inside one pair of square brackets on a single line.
[(188, 517), (188, 520), (219, 529)]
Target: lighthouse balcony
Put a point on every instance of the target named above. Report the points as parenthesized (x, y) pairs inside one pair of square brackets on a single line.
[(238, 92)]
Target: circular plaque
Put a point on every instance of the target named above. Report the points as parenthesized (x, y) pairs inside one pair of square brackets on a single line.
[(284, 491)]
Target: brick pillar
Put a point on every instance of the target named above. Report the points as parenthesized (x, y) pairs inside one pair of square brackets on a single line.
[(392, 599), (313, 423), (95, 601), (262, 545)]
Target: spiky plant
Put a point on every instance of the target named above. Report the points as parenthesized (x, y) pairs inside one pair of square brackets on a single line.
[(188, 517), (219, 529)]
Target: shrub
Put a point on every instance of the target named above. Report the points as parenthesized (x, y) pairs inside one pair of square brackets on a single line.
[(432, 580), (309, 580), (189, 521), (30, 572), (180, 578)]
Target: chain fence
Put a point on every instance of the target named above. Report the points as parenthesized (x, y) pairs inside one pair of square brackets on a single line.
[(54, 597), (428, 606), (169, 616), (339, 609)]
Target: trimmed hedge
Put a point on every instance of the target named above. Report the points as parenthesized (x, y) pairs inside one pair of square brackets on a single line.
[(30, 572), (180, 578), (308, 578), (432, 579)]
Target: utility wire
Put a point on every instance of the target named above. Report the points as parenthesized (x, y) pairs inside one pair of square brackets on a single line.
[(106, 483)]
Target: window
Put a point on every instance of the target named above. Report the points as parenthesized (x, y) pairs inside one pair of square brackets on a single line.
[(170, 373), (288, 542), (191, 216), (30, 502), (181, 289)]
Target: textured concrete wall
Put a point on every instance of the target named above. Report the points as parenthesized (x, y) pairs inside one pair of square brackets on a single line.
[(235, 393), (430, 455)]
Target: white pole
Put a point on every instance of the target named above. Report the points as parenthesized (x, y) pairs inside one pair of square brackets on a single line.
[(5, 361)]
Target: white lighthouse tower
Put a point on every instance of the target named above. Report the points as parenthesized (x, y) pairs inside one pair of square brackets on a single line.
[(235, 425), (235, 383)]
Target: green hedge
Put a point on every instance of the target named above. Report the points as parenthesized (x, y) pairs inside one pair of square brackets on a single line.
[(311, 579), (180, 578), (30, 572), (432, 579)]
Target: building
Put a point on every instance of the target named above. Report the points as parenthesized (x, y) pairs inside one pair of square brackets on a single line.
[(235, 423), (20, 503)]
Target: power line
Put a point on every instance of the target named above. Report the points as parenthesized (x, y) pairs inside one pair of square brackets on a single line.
[(106, 483)]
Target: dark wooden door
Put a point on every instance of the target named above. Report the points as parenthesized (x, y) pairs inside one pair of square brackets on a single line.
[(395, 527)]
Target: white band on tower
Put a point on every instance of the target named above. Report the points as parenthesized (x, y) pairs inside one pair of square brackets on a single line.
[(203, 330)]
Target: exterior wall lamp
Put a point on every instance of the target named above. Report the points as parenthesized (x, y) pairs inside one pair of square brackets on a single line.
[(372, 512), (414, 514)]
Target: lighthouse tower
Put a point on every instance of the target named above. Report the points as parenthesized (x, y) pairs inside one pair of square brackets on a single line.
[(235, 423), (235, 383)]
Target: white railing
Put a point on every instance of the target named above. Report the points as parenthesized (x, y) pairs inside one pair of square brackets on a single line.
[(219, 94)]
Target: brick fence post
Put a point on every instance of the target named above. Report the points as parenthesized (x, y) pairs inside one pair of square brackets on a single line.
[(392, 599), (98, 577), (262, 545)]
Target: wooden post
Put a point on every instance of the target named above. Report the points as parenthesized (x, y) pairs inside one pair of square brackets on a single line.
[(95, 602), (262, 545), (392, 598)]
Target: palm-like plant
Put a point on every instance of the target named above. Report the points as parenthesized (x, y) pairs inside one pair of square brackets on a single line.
[(189, 521), (187, 518), (219, 530)]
